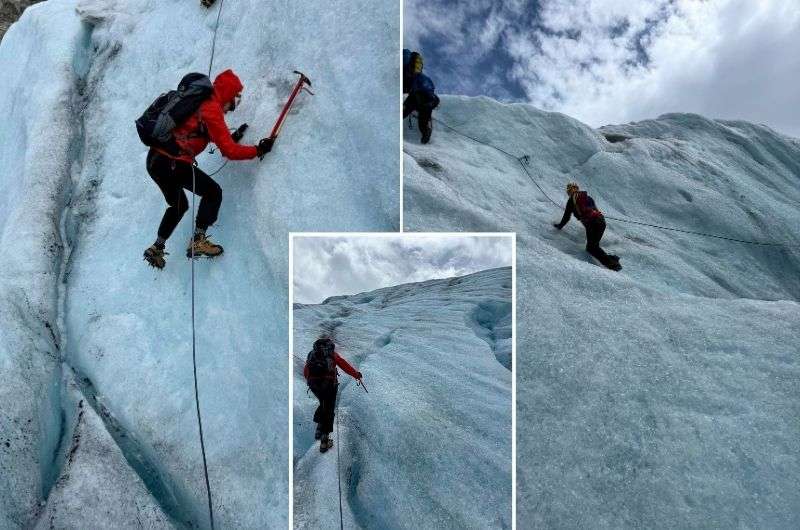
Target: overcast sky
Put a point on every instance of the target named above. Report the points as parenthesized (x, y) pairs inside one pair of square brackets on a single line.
[(330, 266), (615, 61)]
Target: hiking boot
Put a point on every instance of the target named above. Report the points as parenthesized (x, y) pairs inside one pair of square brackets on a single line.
[(612, 263), (207, 3), (426, 131), (155, 256), (203, 247), (325, 444), (318, 433)]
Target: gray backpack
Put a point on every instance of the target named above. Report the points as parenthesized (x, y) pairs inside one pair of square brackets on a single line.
[(171, 109)]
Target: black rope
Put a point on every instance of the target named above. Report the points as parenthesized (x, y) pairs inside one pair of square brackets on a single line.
[(214, 40), (762, 243), (219, 168), (515, 157), (194, 365), (211, 152), (194, 341), (338, 472), (522, 160), (525, 169)]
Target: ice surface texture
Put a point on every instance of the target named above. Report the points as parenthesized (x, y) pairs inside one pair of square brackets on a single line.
[(430, 445), (78, 209), (667, 395)]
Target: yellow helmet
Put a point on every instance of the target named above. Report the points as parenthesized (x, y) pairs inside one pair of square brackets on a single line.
[(572, 187), (416, 63)]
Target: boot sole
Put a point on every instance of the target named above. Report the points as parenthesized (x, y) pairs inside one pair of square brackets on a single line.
[(153, 262), (202, 254)]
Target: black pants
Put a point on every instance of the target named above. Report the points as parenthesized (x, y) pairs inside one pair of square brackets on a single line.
[(325, 390), (424, 108), (594, 233), (172, 177)]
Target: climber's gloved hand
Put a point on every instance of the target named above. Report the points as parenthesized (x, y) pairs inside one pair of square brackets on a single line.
[(264, 146), (358, 376), (239, 132)]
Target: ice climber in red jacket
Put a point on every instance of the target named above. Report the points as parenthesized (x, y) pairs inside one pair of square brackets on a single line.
[(321, 375), (173, 172), (582, 206)]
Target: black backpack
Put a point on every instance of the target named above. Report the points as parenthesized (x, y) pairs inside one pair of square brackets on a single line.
[(320, 361), (171, 109)]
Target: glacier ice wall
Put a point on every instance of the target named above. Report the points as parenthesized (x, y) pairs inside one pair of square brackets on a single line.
[(78, 208), (430, 445), (666, 395)]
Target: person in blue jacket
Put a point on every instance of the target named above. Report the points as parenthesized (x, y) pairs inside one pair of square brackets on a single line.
[(421, 93)]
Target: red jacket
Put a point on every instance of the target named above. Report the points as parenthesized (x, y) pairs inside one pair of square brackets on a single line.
[(341, 363), (208, 124)]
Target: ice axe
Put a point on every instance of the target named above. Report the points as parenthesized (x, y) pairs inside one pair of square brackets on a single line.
[(361, 384), (300, 85)]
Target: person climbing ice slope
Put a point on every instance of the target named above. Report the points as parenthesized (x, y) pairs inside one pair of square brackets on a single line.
[(421, 93), (322, 378), (171, 164), (584, 208)]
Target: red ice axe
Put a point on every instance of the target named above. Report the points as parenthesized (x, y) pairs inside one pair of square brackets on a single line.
[(300, 85)]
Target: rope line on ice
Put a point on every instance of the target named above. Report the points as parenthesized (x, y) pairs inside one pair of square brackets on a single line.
[(194, 366), (214, 40), (338, 472), (522, 160), (338, 443), (210, 65), (194, 334)]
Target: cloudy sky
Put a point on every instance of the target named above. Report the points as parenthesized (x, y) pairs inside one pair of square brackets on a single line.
[(615, 61), (330, 266)]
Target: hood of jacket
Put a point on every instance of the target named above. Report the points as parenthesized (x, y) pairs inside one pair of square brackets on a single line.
[(226, 86)]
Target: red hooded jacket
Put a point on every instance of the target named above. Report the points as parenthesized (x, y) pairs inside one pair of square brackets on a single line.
[(341, 363), (208, 124)]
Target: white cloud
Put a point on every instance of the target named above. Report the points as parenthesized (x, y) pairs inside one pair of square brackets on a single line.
[(330, 266), (732, 59), (608, 61)]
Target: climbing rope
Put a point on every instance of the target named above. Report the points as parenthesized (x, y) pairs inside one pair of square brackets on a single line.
[(194, 365), (515, 157), (194, 334), (220, 168), (211, 64), (522, 162), (214, 40), (525, 169), (338, 472), (704, 234)]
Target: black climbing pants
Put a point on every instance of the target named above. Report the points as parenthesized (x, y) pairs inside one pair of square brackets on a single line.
[(172, 177), (325, 390), (424, 108), (594, 233)]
